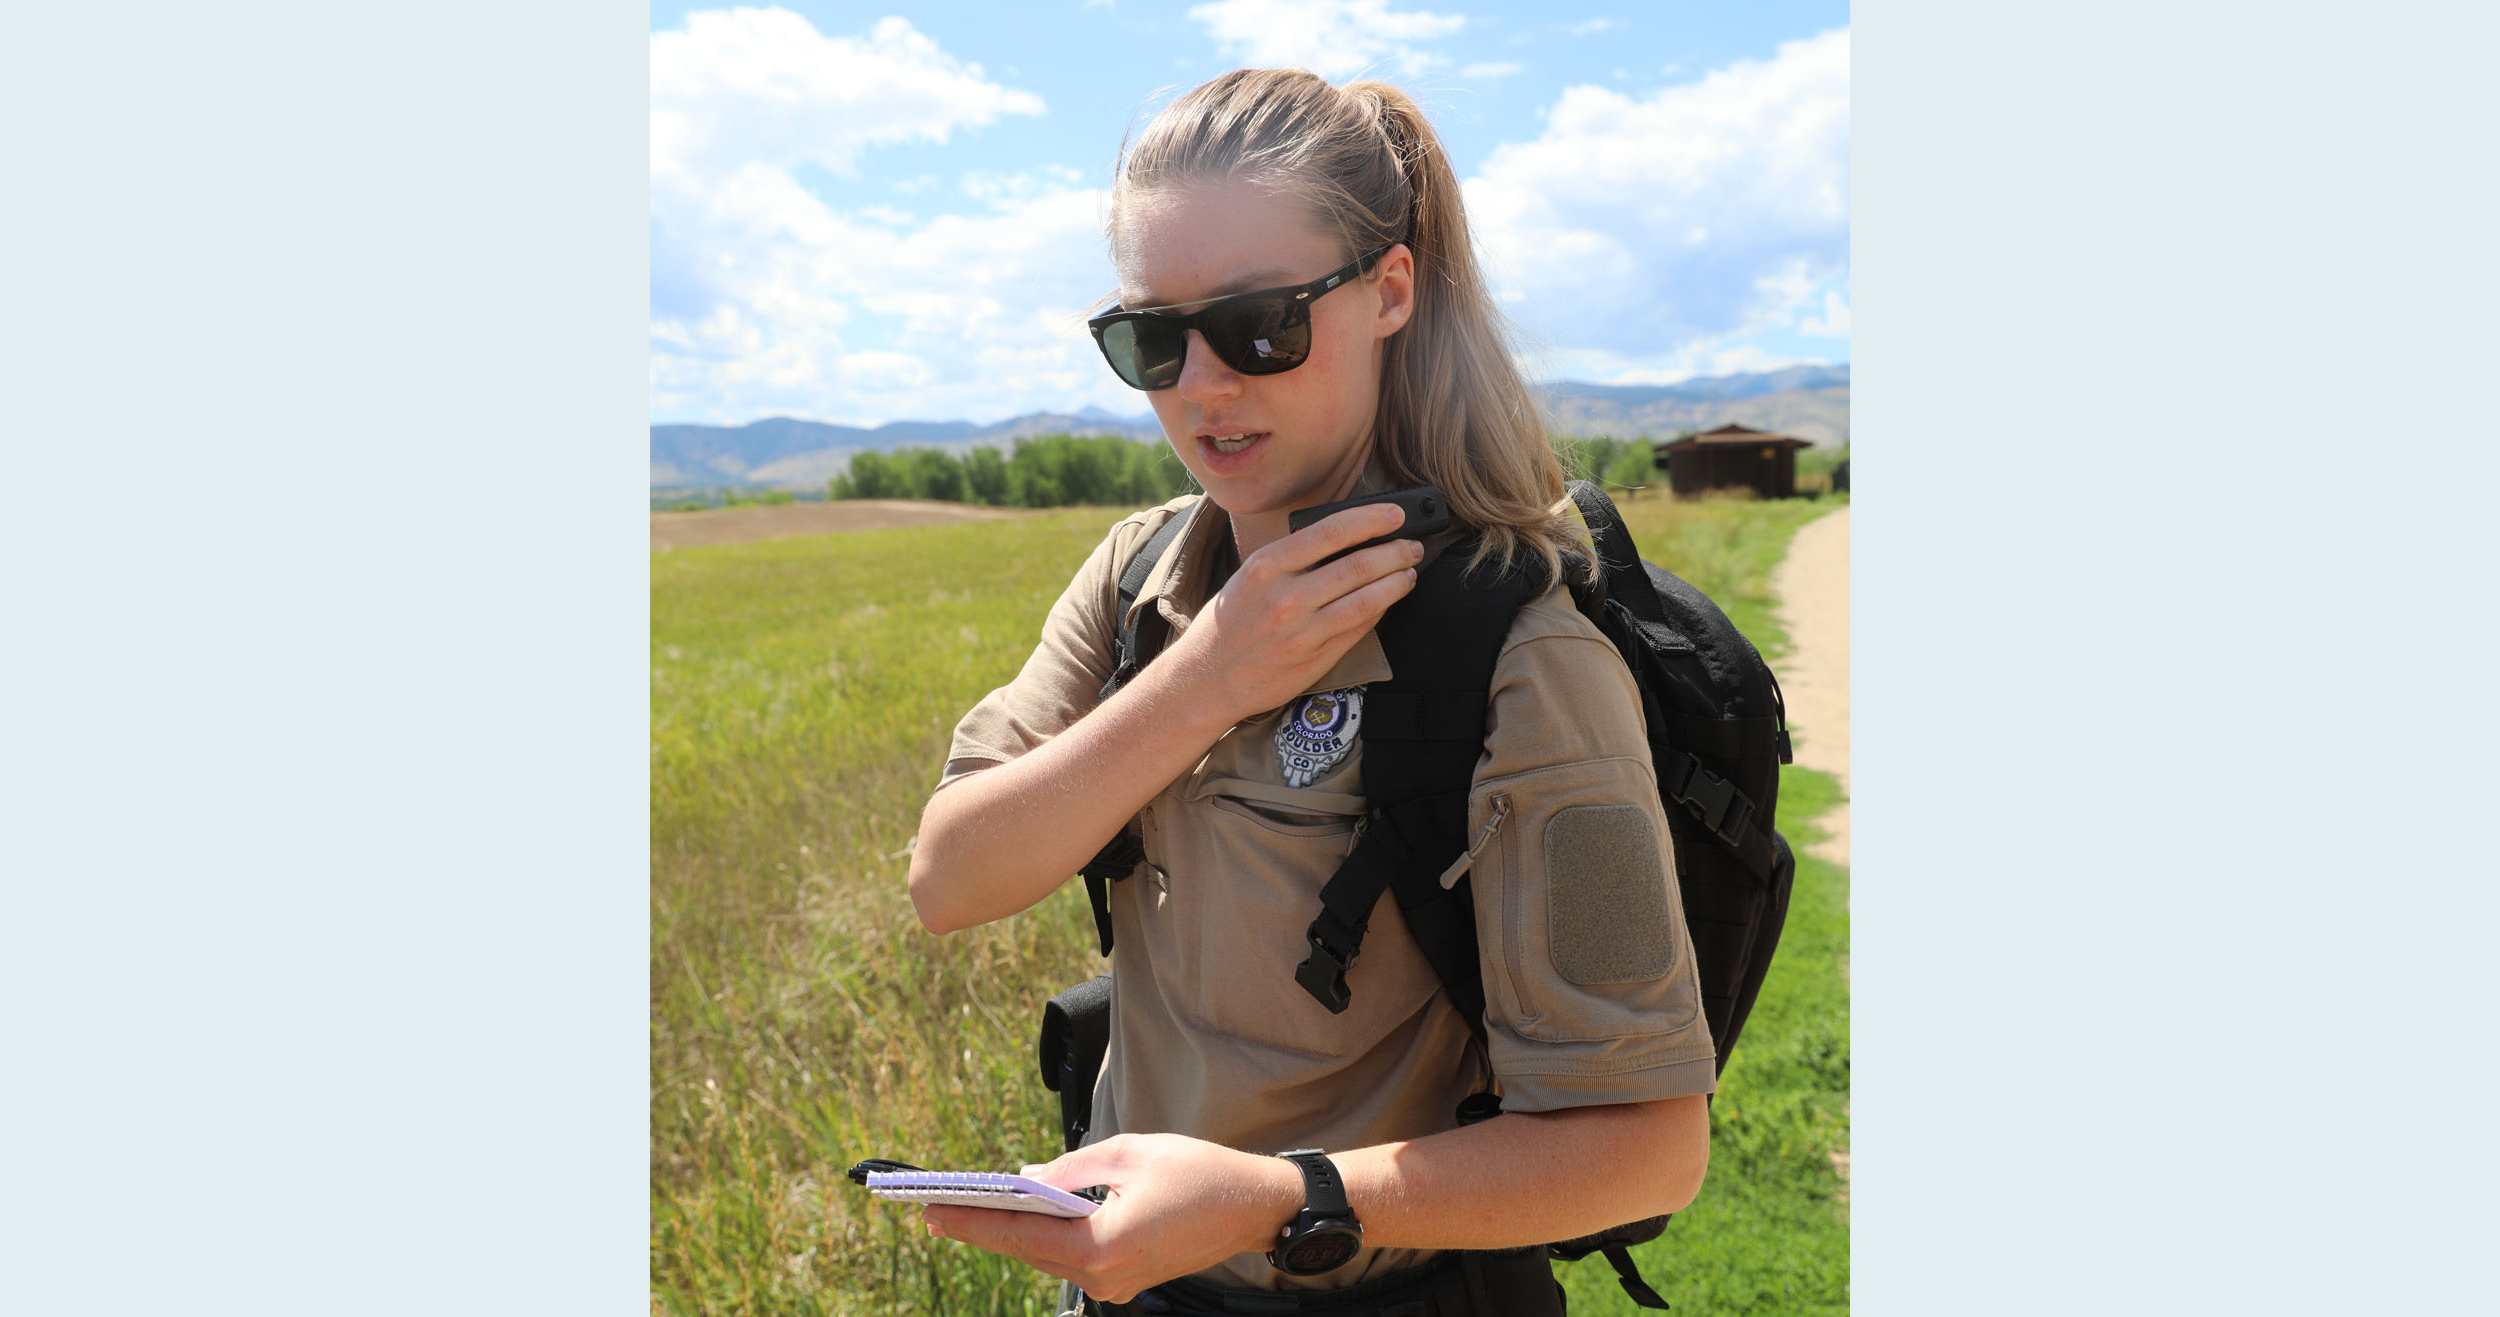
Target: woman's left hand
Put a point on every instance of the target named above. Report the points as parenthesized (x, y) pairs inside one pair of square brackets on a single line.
[(1177, 1205)]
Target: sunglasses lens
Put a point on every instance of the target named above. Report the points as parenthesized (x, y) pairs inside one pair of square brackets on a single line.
[(1255, 334), (1260, 335), (1143, 354)]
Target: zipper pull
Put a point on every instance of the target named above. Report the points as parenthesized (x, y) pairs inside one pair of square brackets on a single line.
[(1458, 867)]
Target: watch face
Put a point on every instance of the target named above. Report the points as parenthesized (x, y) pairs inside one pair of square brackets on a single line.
[(1324, 1249)]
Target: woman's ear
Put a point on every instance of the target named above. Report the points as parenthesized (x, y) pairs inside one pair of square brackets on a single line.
[(1396, 286)]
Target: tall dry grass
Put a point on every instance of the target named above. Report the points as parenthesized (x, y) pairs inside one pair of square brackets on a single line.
[(802, 695)]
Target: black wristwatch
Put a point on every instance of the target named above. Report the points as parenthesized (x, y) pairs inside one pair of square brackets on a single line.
[(1324, 1235)]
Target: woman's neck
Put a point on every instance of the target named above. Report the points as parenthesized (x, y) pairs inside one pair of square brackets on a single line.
[(1251, 535), (1256, 532)]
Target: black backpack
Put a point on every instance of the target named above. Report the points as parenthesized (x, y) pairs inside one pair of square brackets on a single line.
[(1717, 736)]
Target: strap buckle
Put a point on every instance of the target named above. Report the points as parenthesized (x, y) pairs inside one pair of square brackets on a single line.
[(1732, 831), (1322, 974), (1716, 802)]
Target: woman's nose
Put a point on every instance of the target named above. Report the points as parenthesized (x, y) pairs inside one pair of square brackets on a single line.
[(1204, 374)]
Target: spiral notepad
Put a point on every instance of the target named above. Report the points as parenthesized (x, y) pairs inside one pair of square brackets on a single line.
[(1014, 1193)]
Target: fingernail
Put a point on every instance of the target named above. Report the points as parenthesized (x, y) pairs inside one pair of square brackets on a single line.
[(1415, 550)]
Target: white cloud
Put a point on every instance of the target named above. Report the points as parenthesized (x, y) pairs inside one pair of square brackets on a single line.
[(765, 85), (1018, 187), (1834, 321), (767, 297), (1491, 69), (1662, 227), (976, 315), (1589, 27), (1332, 38), (1598, 366), (1746, 359)]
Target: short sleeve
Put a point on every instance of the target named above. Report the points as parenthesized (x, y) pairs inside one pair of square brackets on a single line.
[(1591, 996), (1062, 679)]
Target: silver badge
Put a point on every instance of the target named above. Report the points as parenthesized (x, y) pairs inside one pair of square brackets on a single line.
[(1317, 731)]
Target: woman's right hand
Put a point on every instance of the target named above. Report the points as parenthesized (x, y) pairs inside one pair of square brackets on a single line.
[(998, 840), (1282, 622)]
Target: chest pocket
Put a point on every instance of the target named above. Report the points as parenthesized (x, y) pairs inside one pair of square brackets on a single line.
[(1247, 859), (1284, 810)]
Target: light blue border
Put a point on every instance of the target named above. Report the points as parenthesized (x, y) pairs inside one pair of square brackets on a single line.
[(2172, 915), (325, 944)]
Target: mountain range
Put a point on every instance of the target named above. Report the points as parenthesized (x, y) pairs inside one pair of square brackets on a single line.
[(1810, 402)]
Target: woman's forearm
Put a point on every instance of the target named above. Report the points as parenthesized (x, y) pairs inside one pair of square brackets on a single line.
[(1180, 1205), (1529, 1178), (999, 840), (1517, 1180)]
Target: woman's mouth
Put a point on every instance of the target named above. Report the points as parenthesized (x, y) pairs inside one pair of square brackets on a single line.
[(1231, 453)]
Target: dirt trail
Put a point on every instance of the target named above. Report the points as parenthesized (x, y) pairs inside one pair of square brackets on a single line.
[(686, 530), (1812, 584)]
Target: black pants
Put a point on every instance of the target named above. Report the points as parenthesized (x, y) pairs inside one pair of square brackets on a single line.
[(1511, 1283)]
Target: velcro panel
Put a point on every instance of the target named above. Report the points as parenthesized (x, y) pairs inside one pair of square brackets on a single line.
[(1607, 909)]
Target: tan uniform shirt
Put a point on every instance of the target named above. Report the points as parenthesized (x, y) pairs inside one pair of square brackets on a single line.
[(1590, 995)]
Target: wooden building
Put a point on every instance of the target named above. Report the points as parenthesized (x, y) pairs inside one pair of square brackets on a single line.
[(1731, 457)]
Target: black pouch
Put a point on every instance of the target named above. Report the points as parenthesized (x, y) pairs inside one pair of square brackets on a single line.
[(1076, 1031)]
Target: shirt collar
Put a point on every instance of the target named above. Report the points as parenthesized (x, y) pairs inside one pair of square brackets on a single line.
[(1179, 585)]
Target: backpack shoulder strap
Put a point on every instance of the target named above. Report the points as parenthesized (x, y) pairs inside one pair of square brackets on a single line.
[(1597, 512), (1134, 644), (1423, 731)]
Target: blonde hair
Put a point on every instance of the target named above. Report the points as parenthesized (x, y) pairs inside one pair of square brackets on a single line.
[(1453, 410)]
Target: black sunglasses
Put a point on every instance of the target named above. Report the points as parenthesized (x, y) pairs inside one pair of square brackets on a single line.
[(1266, 331)]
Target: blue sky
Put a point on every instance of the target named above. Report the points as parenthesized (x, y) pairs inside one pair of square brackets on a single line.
[(863, 213)]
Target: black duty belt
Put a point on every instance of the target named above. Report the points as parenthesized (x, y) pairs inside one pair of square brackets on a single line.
[(1511, 1283)]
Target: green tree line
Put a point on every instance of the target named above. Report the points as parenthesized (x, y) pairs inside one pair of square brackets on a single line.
[(720, 497), (1060, 470), (1621, 463), (1048, 471)]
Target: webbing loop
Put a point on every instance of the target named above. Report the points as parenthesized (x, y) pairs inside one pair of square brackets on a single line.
[(1630, 1274)]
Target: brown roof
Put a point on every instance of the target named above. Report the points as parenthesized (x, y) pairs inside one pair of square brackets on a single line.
[(1734, 434)]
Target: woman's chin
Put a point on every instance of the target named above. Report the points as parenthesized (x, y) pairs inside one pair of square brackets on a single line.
[(1251, 506)]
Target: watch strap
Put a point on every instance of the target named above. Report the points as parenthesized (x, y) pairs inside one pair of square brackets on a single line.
[(1323, 1192)]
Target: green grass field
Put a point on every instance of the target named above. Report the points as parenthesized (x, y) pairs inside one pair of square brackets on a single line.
[(802, 693)]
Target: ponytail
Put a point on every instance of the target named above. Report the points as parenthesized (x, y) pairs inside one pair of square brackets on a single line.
[(1454, 411)]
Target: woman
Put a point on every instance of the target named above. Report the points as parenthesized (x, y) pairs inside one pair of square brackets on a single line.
[(1256, 200)]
